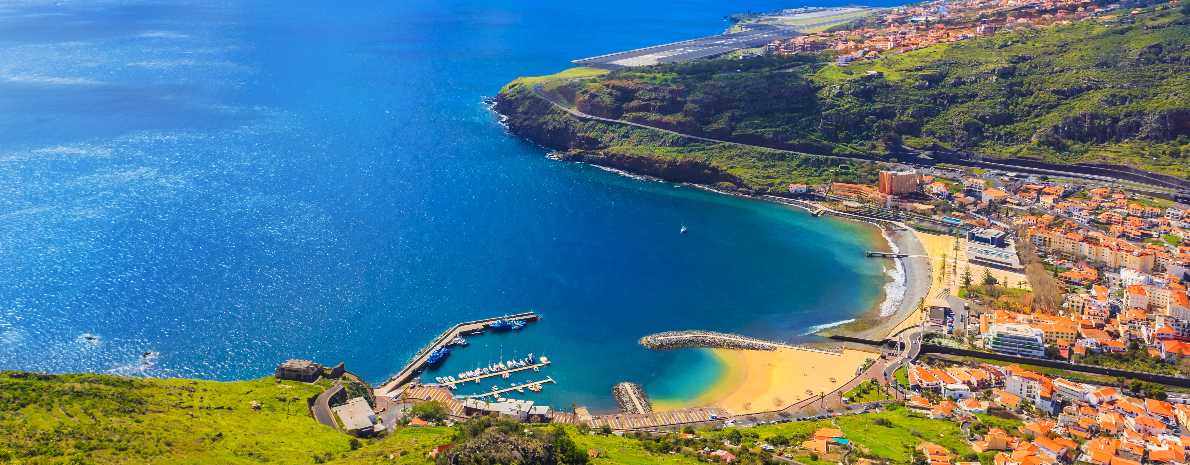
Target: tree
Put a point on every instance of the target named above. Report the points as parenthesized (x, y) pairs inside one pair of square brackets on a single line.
[(967, 277), (988, 279), (429, 411)]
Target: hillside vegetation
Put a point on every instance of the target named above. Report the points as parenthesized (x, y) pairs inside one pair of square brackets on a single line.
[(1111, 90)]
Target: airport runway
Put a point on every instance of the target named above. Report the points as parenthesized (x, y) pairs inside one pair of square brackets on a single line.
[(757, 35)]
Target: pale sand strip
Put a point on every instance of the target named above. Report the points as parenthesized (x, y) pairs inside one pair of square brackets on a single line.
[(937, 246), (767, 380)]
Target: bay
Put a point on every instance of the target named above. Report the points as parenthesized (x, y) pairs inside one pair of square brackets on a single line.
[(230, 185)]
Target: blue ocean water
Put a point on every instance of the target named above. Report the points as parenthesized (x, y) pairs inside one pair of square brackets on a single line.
[(231, 184)]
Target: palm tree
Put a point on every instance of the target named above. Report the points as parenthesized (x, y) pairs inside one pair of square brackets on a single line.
[(821, 399)]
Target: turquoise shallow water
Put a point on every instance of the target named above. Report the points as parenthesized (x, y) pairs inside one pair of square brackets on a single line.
[(234, 184)]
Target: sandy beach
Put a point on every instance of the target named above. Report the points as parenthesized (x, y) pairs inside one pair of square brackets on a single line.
[(768, 380), (918, 279)]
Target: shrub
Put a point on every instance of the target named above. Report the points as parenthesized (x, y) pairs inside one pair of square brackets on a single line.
[(429, 411)]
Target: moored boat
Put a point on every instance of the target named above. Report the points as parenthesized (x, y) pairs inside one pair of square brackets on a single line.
[(437, 355)]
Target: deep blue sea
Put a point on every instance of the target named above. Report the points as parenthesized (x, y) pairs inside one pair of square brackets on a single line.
[(232, 184)]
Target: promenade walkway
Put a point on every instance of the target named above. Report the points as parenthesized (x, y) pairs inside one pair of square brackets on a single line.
[(668, 419)]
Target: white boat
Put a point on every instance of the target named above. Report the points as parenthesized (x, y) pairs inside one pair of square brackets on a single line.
[(683, 228), (544, 361)]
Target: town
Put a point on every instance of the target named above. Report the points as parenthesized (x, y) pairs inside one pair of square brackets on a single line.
[(904, 29)]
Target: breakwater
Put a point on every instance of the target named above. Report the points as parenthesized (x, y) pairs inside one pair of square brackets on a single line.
[(715, 340), (676, 339), (632, 398)]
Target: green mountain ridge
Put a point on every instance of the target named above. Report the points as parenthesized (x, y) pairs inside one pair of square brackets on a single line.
[(1101, 90)]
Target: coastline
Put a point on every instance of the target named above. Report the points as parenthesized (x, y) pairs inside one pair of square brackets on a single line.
[(761, 380), (918, 277), (914, 273)]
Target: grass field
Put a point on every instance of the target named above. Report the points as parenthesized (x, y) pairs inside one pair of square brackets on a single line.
[(801, 22), (91, 418), (890, 441), (902, 377), (580, 72), (115, 419)]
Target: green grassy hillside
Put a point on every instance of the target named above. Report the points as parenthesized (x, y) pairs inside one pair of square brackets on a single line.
[(92, 418), (1110, 90)]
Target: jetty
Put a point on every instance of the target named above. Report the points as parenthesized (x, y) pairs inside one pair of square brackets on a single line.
[(714, 340), (871, 254), (418, 362), (497, 373), (632, 398), (497, 392)]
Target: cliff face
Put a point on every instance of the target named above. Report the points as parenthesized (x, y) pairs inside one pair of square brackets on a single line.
[(690, 171), (537, 120)]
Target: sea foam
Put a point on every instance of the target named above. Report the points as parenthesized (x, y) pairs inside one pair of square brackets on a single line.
[(817, 328), (894, 291)]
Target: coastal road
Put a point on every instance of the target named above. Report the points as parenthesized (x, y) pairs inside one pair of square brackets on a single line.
[(580, 115), (322, 408), (914, 337)]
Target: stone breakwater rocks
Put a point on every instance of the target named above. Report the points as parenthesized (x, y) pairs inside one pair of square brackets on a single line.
[(625, 394), (675, 339), (714, 340)]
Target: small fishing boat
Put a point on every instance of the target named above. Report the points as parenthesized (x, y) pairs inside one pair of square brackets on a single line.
[(683, 229)]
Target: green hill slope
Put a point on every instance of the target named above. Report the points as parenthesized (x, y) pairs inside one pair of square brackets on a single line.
[(1093, 91)]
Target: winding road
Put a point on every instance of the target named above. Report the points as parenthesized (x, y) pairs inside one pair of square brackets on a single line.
[(577, 114), (322, 408)]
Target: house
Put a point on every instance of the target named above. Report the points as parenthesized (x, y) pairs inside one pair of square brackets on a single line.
[(724, 455), (440, 449), (1102, 395), (996, 439), (797, 189), (299, 370), (357, 416)]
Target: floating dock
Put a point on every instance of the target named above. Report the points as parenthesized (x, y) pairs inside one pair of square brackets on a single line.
[(497, 392), (494, 373), (462, 329)]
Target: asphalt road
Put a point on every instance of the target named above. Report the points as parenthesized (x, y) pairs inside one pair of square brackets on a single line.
[(322, 408), (757, 35)]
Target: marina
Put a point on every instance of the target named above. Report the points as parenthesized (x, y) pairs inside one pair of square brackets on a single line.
[(452, 336)]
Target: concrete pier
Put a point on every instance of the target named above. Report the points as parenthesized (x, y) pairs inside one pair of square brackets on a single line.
[(871, 254), (461, 329)]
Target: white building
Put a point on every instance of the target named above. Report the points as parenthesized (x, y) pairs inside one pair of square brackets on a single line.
[(1070, 391), (957, 390), (1027, 385), (1016, 339)]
